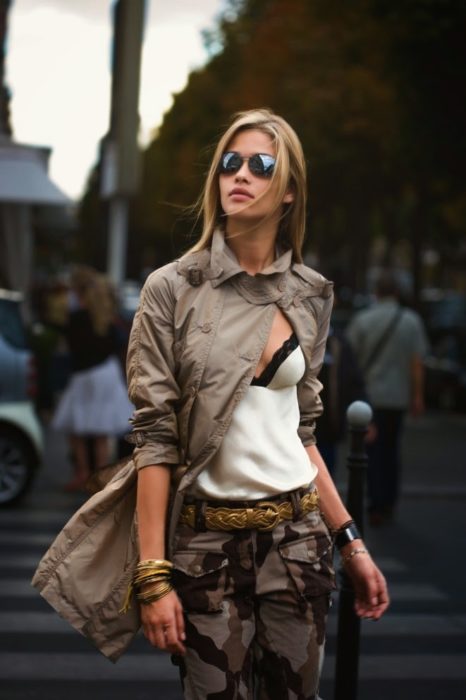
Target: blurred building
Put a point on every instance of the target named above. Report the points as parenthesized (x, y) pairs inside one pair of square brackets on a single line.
[(26, 190)]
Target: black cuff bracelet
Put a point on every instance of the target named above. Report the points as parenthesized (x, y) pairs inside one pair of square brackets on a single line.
[(346, 535)]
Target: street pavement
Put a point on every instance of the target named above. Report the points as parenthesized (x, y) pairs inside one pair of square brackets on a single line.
[(418, 650)]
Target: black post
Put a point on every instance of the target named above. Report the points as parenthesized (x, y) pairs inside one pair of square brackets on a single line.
[(359, 415)]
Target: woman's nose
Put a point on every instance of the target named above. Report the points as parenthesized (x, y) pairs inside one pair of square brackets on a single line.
[(243, 172)]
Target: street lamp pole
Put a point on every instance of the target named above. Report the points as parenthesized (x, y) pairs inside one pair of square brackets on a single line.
[(118, 238), (120, 153)]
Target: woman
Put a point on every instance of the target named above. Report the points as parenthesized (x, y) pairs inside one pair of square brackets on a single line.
[(94, 405), (222, 365)]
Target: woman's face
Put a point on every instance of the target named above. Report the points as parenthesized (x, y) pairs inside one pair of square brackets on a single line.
[(243, 195)]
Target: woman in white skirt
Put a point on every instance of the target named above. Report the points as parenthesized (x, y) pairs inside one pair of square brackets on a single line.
[(94, 405)]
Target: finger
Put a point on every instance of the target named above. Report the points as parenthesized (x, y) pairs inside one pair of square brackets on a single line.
[(150, 634), (382, 600), (374, 607), (379, 610), (180, 623), (366, 613), (362, 609), (173, 642), (160, 640), (372, 589), (366, 601)]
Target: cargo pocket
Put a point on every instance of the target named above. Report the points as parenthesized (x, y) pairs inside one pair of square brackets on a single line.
[(310, 565), (199, 579)]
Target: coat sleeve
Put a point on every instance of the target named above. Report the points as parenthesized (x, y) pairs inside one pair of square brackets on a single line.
[(152, 386), (310, 403)]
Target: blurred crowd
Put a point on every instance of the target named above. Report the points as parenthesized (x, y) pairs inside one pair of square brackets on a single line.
[(53, 302), (79, 339)]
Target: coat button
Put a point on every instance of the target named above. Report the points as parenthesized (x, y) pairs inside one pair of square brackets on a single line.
[(197, 568), (195, 277), (206, 327)]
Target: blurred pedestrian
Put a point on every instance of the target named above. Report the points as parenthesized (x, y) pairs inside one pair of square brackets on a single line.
[(342, 384), (94, 405), (222, 368), (390, 344), (49, 346)]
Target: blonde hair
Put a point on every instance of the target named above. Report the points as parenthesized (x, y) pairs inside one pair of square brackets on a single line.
[(82, 276), (289, 175)]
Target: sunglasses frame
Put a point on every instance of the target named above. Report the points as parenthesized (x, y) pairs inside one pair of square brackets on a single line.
[(266, 172)]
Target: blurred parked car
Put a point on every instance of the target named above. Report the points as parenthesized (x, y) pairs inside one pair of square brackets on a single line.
[(444, 314), (21, 442)]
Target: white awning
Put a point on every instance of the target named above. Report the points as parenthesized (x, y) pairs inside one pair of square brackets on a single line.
[(24, 178)]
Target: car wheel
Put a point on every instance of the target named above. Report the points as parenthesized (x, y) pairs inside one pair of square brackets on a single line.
[(16, 465)]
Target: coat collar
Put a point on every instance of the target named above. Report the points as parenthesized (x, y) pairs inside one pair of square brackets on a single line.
[(225, 264), (274, 284)]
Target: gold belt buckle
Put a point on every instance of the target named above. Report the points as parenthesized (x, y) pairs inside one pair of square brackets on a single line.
[(276, 517)]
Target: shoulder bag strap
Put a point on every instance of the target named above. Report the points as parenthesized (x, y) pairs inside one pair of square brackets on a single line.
[(375, 352)]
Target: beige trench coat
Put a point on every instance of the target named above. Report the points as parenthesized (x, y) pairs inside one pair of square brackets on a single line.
[(196, 340), (86, 571)]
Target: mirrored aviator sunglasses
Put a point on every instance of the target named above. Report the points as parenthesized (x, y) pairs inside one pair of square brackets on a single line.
[(259, 164)]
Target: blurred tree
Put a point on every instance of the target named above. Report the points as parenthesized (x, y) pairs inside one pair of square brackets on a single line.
[(426, 62), (373, 88)]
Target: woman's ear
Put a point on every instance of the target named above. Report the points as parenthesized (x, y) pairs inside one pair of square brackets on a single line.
[(289, 197)]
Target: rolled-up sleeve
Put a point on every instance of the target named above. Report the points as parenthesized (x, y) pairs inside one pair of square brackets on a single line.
[(310, 403), (152, 386)]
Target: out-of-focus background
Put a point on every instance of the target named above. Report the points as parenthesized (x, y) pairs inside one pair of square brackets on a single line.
[(373, 88), (109, 110), (108, 115)]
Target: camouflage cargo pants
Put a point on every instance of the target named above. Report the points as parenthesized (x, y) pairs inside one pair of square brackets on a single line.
[(256, 605)]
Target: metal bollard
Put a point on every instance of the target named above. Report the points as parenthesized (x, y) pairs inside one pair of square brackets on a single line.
[(359, 415)]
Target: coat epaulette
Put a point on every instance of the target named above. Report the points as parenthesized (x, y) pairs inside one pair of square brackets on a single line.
[(323, 287), (196, 267)]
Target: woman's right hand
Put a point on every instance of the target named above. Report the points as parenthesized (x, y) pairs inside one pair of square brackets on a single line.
[(163, 623)]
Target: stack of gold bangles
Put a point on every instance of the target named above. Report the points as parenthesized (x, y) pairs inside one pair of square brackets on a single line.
[(151, 581)]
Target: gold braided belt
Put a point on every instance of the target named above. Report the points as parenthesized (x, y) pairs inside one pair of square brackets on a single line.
[(263, 516)]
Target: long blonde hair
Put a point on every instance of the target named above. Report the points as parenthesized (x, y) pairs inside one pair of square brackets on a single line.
[(289, 175)]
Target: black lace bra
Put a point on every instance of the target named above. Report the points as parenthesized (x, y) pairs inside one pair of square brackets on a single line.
[(278, 358)]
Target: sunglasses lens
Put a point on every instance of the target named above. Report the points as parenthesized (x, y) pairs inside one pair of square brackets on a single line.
[(231, 162), (262, 165)]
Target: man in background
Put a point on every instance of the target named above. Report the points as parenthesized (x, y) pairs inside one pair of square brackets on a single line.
[(390, 344)]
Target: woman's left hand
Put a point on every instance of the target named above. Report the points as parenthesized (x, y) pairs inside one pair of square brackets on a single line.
[(370, 587)]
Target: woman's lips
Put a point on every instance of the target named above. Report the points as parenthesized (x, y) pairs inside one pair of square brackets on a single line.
[(240, 195)]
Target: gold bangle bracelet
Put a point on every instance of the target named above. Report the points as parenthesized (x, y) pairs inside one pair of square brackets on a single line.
[(140, 585), (139, 580), (154, 594), (154, 563), (157, 585)]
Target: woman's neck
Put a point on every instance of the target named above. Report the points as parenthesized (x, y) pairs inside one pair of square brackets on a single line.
[(254, 248)]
